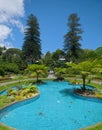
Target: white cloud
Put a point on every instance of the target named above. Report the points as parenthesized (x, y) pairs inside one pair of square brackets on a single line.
[(11, 8), (4, 33), (10, 12), (18, 24)]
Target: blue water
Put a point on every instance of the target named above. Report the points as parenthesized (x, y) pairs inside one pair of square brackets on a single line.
[(57, 108)]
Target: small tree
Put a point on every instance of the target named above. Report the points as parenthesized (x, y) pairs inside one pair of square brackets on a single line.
[(84, 75), (84, 69), (38, 69), (59, 73)]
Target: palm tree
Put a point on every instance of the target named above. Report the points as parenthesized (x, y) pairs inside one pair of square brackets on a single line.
[(38, 69), (84, 75)]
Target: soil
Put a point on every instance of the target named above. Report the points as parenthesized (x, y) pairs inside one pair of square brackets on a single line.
[(86, 93)]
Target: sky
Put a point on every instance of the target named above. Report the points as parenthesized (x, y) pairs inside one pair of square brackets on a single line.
[(52, 17)]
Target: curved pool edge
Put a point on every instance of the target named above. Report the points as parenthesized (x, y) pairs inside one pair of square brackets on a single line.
[(4, 125), (17, 104), (92, 126), (81, 97), (94, 99)]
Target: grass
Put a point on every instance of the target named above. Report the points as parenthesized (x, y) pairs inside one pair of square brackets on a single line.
[(4, 127), (91, 83), (14, 84), (94, 127), (4, 100), (95, 85)]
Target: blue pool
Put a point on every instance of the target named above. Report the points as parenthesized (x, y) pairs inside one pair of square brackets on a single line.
[(57, 108)]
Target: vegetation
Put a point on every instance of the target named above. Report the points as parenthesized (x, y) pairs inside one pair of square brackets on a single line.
[(66, 63), (18, 93), (72, 38), (3, 127), (38, 70), (59, 73), (95, 127), (31, 47)]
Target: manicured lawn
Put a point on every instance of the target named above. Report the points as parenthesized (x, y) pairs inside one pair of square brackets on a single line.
[(3, 127), (91, 83), (95, 85), (95, 127), (3, 87)]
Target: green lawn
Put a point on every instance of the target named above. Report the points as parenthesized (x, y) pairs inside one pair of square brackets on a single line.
[(80, 82), (95, 127), (3, 127), (4, 100)]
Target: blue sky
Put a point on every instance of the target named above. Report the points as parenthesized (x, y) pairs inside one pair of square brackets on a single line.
[(52, 17)]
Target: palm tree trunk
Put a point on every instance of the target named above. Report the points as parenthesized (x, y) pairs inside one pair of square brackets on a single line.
[(84, 84), (37, 77)]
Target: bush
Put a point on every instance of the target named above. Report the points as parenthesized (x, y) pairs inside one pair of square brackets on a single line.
[(2, 72)]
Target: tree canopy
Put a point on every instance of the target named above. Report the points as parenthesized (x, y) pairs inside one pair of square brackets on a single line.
[(38, 69), (72, 38), (32, 46)]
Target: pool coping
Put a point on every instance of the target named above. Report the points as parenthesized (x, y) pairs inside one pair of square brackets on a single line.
[(95, 99)]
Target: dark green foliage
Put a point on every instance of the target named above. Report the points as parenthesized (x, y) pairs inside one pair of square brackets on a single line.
[(11, 67), (54, 59), (60, 64), (12, 55), (32, 47), (2, 72), (58, 54), (2, 49), (72, 38), (8, 68), (99, 51), (48, 61), (87, 54)]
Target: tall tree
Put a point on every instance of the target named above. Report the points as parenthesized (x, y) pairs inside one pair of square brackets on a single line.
[(72, 38), (32, 46)]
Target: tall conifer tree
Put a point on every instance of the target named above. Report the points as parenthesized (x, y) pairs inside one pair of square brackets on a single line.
[(32, 46), (72, 38)]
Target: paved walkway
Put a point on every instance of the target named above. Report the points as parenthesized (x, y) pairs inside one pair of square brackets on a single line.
[(97, 82), (11, 82)]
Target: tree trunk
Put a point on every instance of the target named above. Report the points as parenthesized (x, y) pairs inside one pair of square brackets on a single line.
[(37, 77), (84, 84)]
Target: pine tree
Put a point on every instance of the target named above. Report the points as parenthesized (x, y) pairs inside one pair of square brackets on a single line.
[(32, 46), (72, 38)]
